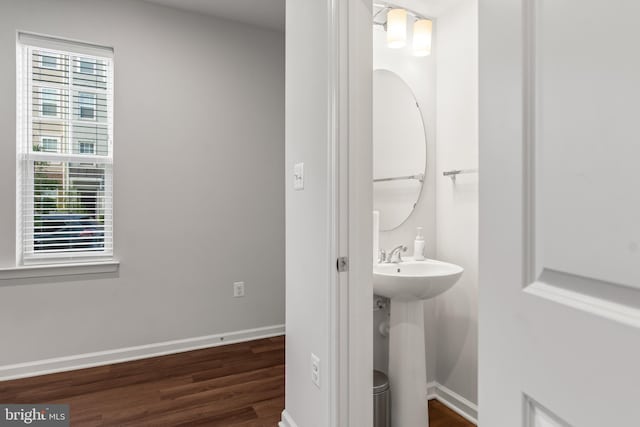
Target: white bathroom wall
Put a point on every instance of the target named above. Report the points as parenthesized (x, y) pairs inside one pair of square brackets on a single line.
[(457, 203), (198, 182), (420, 74)]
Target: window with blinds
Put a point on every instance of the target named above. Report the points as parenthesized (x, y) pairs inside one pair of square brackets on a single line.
[(65, 148)]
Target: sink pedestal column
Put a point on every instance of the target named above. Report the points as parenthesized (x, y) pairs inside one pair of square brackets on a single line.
[(407, 365)]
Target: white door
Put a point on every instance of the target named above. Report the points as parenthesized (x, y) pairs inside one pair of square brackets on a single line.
[(559, 213)]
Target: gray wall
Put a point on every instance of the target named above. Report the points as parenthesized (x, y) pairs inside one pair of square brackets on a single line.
[(199, 197)]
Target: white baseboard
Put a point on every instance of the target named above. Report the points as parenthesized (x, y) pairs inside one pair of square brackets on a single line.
[(286, 420), (432, 390), (88, 360), (453, 401)]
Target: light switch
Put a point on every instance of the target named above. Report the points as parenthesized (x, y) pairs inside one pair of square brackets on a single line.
[(298, 176)]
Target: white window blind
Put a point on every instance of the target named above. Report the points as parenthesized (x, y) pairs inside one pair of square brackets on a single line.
[(65, 148)]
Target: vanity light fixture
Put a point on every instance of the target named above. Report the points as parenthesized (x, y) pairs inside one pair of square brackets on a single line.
[(422, 30), (396, 28)]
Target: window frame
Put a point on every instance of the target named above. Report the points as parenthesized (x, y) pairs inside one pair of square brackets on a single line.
[(27, 44)]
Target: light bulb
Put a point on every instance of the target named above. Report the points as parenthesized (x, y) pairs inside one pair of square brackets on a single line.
[(396, 28), (422, 30)]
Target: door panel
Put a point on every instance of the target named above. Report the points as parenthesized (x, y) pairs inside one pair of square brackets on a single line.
[(559, 213), (586, 139)]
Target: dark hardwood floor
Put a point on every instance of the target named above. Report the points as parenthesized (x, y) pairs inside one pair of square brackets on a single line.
[(234, 385), (441, 416)]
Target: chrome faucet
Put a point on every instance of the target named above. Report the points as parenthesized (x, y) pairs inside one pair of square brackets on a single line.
[(395, 254)]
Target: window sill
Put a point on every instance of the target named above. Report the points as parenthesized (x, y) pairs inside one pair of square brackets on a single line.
[(49, 270)]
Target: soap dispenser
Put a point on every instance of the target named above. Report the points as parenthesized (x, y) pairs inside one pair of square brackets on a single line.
[(418, 246)]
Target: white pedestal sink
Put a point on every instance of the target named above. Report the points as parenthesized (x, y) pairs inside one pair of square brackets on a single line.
[(407, 284)]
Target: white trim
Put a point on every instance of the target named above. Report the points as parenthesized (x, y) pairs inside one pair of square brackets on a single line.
[(107, 357), (529, 142), (352, 55), (339, 399), (71, 158), (23, 133), (432, 392), (62, 45), (612, 302), (26, 44), (75, 258), (286, 420), (452, 400), (62, 269)]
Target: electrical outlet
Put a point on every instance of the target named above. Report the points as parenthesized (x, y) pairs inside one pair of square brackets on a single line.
[(238, 289), (315, 370)]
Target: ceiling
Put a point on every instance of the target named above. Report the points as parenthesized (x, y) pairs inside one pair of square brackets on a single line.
[(427, 8), (270, 13), (262, 13)]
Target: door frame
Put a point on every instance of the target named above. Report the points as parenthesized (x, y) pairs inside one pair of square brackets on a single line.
[(350, 73)]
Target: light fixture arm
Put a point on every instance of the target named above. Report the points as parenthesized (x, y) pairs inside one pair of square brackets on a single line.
[(386, 6), (382, 9)]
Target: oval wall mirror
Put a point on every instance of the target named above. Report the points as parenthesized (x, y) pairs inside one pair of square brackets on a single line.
[(399, 149)]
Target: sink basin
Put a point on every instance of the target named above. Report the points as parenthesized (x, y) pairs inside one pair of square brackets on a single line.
[(407, 283), (411, 279)]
